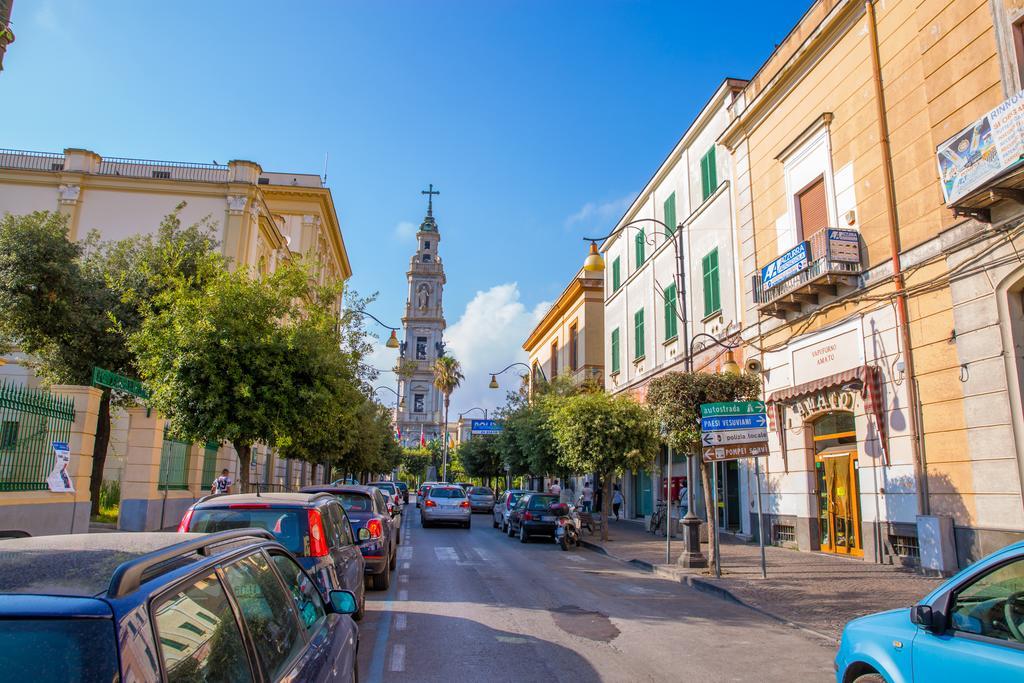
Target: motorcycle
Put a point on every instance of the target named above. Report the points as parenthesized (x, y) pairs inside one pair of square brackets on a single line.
[(567, 529)]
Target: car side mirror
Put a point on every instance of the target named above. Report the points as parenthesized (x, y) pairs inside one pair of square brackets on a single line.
[(924, 616), (343, 602), (364, 534)]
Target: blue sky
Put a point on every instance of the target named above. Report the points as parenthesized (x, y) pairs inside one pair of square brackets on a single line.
[(537, 120)]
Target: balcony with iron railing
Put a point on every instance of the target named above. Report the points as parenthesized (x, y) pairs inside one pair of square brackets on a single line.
[(163, 170), (833, 263), (31, 161), (588, 374)]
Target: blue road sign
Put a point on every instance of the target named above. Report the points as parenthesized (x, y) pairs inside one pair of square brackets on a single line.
[(786, 266), (717, 424), (486, 427)]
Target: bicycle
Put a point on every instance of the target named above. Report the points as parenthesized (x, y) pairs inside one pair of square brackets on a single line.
[(658, 517)]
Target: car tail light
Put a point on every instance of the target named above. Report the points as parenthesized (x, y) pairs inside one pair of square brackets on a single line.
[(248, 506), (317, 537), (527, 516), (375, 528), (464, 504), (430, 504), (185, 521)]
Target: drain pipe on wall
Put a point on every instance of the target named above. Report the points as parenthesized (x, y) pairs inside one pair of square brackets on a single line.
[(920, 469)]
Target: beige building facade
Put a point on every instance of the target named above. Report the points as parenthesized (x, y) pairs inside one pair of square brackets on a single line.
[(259, 218), (885, 317)]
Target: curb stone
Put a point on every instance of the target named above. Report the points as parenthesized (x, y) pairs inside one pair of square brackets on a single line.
[(708, 588)]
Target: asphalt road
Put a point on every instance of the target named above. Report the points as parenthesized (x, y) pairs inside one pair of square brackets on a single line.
[(478, 606)]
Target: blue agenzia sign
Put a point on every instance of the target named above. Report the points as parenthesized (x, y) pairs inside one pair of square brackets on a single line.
[(787, 265), (485, 427)]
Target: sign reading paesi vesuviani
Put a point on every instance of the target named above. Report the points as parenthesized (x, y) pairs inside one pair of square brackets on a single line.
[(786, 266), (981, 151)]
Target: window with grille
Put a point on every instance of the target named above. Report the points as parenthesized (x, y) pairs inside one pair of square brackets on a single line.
[(783, 533), (811, 209), (905, 546)]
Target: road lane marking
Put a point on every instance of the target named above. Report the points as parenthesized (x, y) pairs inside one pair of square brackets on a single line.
[(405, 565), (380, 647), (512, 640), (485, 555), (445, 553), (405, 552), (400, 622), (575, 558), (403, 595), (398, 658), (403, 578)]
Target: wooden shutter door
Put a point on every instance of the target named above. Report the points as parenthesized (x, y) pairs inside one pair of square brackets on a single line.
[(812, 208)]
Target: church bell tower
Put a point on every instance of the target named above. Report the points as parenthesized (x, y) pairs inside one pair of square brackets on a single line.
[(423, 327)]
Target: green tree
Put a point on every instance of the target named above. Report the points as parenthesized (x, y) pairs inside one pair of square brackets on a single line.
[(676, 398), (230, 361), (447, 378), (415, 462), (481, 458), (597, 432), (70, 305)]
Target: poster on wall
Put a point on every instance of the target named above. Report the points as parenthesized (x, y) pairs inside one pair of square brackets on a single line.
[(981, 151), (59, 479)]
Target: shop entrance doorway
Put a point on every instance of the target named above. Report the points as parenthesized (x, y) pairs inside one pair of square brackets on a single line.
[(835, 465)]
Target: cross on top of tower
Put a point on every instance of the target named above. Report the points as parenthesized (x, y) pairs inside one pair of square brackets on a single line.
[(430, 198)]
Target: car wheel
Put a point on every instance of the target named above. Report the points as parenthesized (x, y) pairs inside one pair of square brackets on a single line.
[(869, 678), (382, 581), (523, 538), (467, 524)]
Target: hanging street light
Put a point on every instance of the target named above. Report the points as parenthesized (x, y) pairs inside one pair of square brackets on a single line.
[(593, 263)]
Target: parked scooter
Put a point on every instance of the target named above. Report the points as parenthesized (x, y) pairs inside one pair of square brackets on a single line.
[(567, 529)]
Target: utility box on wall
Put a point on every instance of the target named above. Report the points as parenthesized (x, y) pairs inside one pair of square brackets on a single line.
[(937, 544)]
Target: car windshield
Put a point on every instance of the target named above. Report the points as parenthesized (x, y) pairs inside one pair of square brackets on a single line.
[(287, 524), (513, 498), (541, 502), (481, 491), (447, 493), (355, 502), (58, 650), (388, 486)]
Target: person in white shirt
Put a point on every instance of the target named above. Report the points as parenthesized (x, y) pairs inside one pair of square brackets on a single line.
[(587, 497), (555, 489)]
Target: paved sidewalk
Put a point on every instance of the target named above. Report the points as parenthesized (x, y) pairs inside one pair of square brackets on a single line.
[(816, 591)]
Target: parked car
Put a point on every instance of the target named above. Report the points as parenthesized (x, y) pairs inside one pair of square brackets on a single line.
[(404, 488), (466, 486), (481, 498), (503, 506), (422, 492), (969, 628), (232, 605), (532, 516), (446, 503), (312, 526), (391, 490), (377, 524)]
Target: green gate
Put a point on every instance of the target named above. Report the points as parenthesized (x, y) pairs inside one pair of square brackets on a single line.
[(209, 465), (174, 464), (30, 421)]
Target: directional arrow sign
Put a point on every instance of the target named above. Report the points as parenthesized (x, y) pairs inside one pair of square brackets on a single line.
[(732, 408), (717, 424), (743, 450), (734, 436)]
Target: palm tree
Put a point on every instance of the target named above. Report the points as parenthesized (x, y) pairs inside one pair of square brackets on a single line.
[(447, 377)]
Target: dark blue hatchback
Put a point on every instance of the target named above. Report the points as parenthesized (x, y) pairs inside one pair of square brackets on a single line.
[(229, 606)]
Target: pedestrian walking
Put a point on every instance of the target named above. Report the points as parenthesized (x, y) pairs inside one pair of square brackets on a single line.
[(587, 497), (555, 489), (221, 484), (617, 501)]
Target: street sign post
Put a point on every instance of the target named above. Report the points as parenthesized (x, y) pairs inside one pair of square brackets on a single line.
[(735, 452), (481, 427), (732, 408), (717, 424), (733, 436)]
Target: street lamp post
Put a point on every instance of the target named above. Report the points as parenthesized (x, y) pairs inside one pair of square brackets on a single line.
[(494, 375), (392, 342)]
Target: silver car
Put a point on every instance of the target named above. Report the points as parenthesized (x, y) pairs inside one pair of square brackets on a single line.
[(446, 504), (503, 506), (481, 499)]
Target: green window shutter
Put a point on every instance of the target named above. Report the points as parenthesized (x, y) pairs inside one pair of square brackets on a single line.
[(638, 334), (640, 242), (615, 350), (616, 274), (708, 174), (712, 291), (670, 213), (671, 327)]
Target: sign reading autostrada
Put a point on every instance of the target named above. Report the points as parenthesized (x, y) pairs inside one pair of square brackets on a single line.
[(737, 429)]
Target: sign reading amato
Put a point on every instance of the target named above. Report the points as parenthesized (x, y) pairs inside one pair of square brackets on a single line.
[(827, 357)]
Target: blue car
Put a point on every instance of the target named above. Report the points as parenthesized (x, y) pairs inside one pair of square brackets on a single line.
[(969, 628), (228, 606)]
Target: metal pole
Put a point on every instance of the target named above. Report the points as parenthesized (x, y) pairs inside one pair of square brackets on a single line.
[(668, 505), (760, 517), (714, 514)]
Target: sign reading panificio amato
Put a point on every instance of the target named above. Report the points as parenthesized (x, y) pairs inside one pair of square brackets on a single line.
[(981, 151)]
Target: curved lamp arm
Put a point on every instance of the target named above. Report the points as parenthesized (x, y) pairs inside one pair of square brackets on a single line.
[(392, 342), (471, 410), (494, 375)]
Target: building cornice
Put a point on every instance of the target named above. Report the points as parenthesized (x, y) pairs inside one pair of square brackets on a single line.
[(574, 295)]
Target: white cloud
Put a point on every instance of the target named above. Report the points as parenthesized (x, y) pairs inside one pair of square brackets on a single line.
[(599, 215), (405, 231), (488, 336)]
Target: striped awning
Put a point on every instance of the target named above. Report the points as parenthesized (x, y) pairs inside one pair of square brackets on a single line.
[(870, 378)]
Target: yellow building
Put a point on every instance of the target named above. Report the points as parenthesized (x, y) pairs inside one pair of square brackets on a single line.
[(888, 390), (568, 340), (259, 218)]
